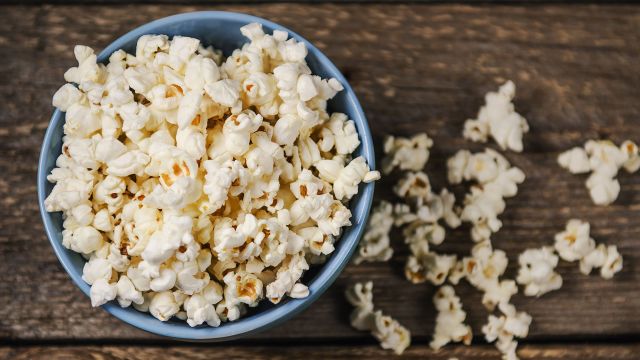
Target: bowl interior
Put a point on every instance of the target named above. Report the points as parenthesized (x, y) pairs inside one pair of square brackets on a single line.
[(220, 29)]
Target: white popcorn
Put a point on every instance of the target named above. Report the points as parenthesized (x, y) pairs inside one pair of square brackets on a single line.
[(498, 119), (604, 257), (66, 96), (406, 154), (84, 239), (127, 293), (390, 333), (163, 306), (632, 164), (375, 244), (102, 292), (483, 270), (536, 271), (165, 281), (496, 179), (199, 311), (574, 243), (603, 159), (96, 268), (224, 92), (299, 291), (603, 189), (181, 170), (450, 320), (575, 160), (385, 329), (87, 69), (505, 328)]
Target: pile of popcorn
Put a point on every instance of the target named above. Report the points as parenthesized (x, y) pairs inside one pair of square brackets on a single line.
[(196, 187), (491, 179)]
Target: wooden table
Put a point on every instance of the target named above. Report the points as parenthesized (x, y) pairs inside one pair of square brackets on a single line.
[(415, 67)]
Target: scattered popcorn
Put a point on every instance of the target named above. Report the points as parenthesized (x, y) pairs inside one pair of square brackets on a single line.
[(498, 119), (406, 154), (603, 159), (450, 325), (375, 244), (604, 257), (496, 179), (511, 324), (385, 329), (575, 243), (483, 270), (536, 271), (198, 187)]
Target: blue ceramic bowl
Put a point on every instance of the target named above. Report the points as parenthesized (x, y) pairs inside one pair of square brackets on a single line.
[(222, 30)]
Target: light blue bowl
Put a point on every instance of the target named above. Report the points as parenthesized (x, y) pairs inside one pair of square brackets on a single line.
[(222, 30)]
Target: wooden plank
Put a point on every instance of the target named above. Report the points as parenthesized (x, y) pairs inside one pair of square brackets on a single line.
[(414, 68), (476, 352), (240, 2)]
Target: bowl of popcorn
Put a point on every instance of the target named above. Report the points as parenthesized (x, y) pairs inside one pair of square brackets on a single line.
[(206, 176)]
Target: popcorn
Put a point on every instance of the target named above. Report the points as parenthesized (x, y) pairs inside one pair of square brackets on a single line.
[(97, 268), (536, 271), (127, 293), (189, 183), (163, 306), (385, 329), (406, 154), (200, 311), (603, 189), (504, 329), (450, 320), (375, 244), (84, 239), (574, 243), (603, 159), (498, 119), (102, 292), (604, 257), (483, 270), (496, 179), (575, 160)]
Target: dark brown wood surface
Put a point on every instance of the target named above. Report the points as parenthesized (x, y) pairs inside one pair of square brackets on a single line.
[(479, 352), (414, 68)]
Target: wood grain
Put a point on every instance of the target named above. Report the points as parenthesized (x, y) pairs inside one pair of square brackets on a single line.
[(480, 352), (414, 68)]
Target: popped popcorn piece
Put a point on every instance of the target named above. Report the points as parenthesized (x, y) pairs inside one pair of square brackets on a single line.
[(536, 271), (498, 119), (603, 189), (406, 153), (574, 242), (102, 292), (375, 244), (511, 324), (575, 160), (189, 181), (450, 325), (390, 333), (385, 329)]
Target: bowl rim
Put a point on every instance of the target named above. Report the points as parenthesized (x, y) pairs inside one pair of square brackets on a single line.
[(276, 315)]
